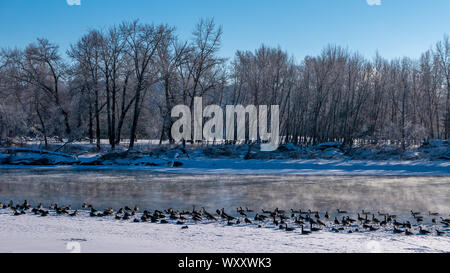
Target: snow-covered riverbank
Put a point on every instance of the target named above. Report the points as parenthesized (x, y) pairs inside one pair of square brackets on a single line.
[(291, 167), (29, 233), (322, 159)]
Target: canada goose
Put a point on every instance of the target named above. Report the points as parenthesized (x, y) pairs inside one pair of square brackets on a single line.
[(372, 228), (415, 213), (127, 208), (320, 223), (344, 221), (144, 218), (312, 221), (382, 213), (423, 231), (360, 218), (256, 218), (384, 222), (335, 230), (433, 213), (163, 221), (120, 211), (312, 228), (109, 211), (299, 222), (180, 222), (241, 212), (289, 228), (279, 211), (275, 221), (44, 213), (366, 220), (266, 211), (126, 216), (248, 221), (327, 215), (295, 211), (248, 210), (75, 213), (440, 233), (336, 221), (173, 216), (259, 217), (407, 232), (366, 212), (434, 221), (305, 232), (84, 206), (184, 227), (408, 225), (341, 211), (375, 220), (135, 220), (226, 216), (209, 216), (136, 208)]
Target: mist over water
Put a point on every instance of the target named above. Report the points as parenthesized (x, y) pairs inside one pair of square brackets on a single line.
[(116, 189)]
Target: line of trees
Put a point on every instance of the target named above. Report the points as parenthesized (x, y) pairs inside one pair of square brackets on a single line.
[(122, 82)]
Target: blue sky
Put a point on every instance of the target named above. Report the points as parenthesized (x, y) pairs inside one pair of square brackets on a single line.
[(302, 27)]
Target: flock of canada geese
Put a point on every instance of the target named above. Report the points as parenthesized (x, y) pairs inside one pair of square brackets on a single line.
[(290, 220)]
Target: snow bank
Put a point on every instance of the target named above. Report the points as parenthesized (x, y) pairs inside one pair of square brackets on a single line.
[(29, 233)]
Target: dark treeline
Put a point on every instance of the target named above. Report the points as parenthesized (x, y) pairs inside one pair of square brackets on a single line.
[(122, 82)]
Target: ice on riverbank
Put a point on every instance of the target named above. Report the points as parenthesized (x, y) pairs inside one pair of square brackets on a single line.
[(324, 159), (29, 233)]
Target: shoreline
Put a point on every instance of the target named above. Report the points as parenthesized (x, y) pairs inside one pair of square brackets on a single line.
[(29, 233)]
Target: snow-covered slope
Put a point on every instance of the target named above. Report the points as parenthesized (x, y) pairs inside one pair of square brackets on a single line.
[(29, 233)]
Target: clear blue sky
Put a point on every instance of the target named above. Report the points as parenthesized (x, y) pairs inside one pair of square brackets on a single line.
[(302, 27)]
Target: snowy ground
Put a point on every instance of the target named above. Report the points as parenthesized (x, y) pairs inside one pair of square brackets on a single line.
[(282, 167), (29, 233), (310, 167)]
